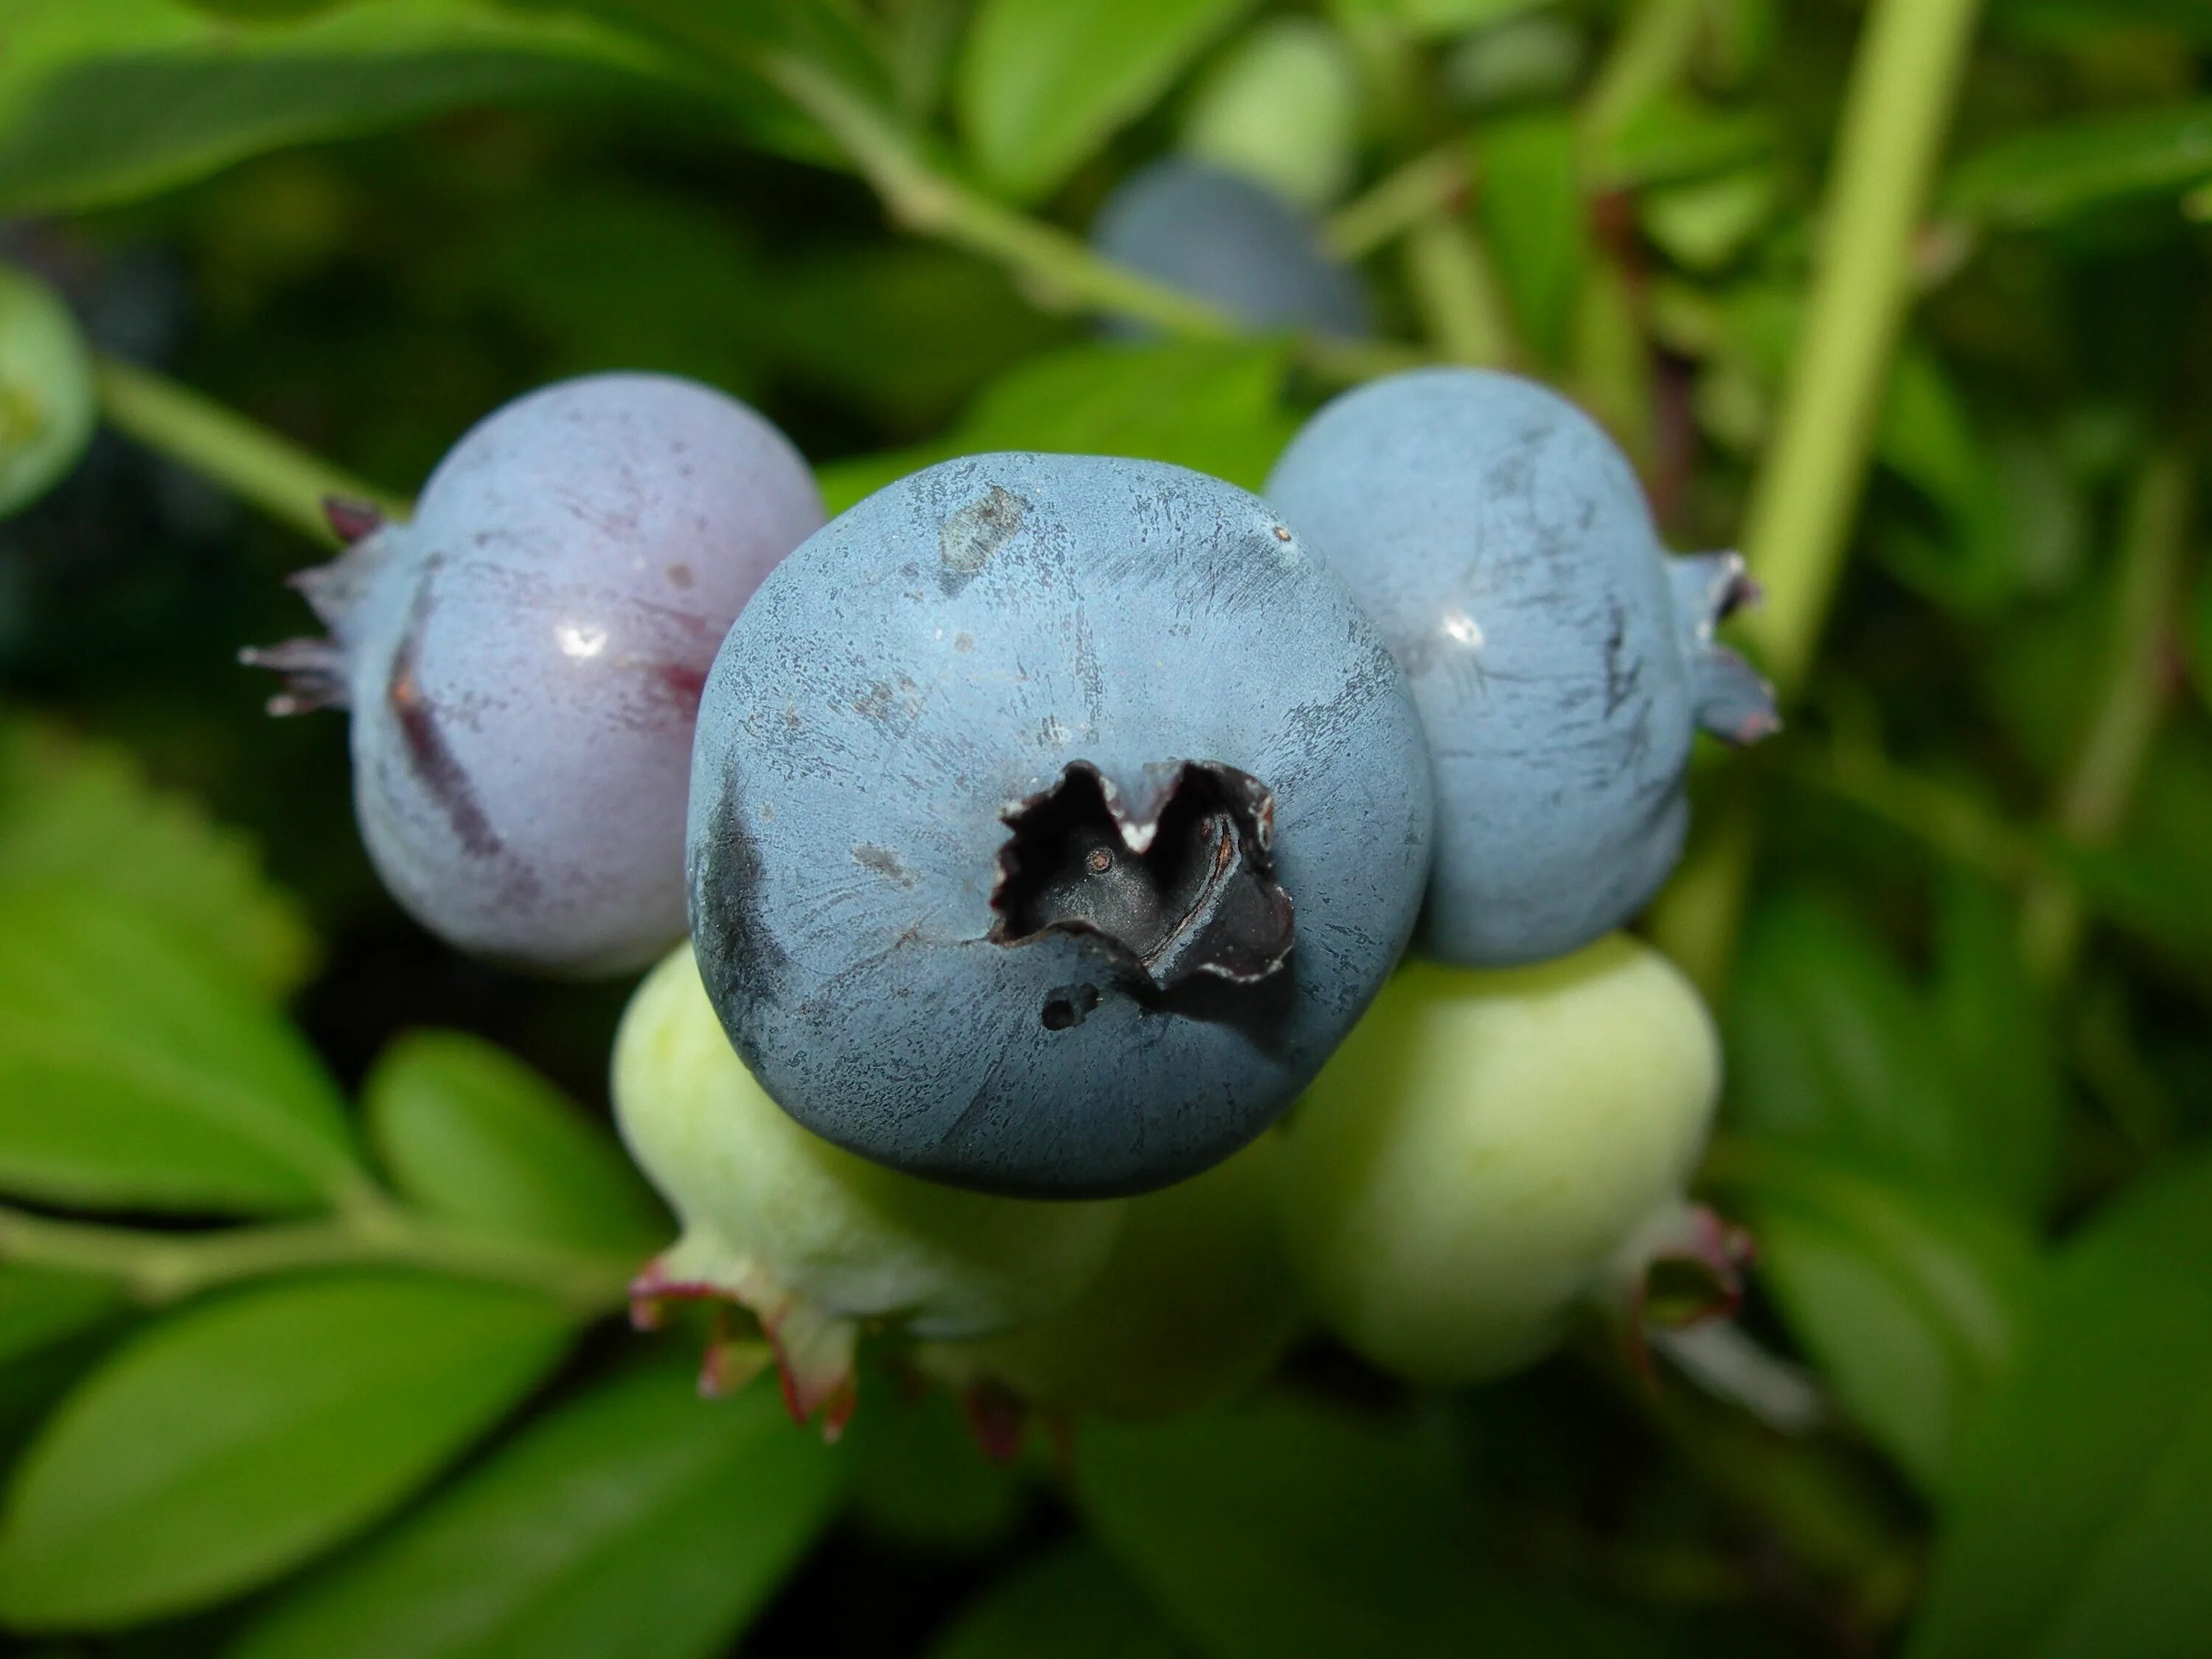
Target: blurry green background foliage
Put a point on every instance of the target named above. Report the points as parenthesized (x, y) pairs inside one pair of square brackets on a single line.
[(315, 1235)]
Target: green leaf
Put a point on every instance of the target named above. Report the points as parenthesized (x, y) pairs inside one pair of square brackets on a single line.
[(135, 1071), (2048, 174), (1215, 406), (638, 1521), (103, 100), (81, 812), (47, 405), (1534, 218), (242, 1435), (1832, 1047), (1998, 1031), (1673, 137), (1287, 1529), (40, 1306), (465, 1130), (1073, 1604), (1041, 86), (1911, 1298), (2079, 1519)]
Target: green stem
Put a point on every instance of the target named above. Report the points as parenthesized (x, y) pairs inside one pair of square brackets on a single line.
[(2094, 797), (1066, 273), (274, 474), (1462, 306), (1649, 53), (159, 1269), (1430, 182), (1910, 58), (1059, 271), (1903, 82)]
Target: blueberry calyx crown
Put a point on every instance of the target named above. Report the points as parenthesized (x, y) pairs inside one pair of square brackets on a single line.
[(1178, 884)]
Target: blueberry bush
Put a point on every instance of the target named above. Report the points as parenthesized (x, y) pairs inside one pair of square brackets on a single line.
[(1826, 1271)]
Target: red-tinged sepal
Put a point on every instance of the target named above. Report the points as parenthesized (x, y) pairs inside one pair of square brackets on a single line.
[(813, 1352), (997, 1418), (1683, 1267), (351, 521)]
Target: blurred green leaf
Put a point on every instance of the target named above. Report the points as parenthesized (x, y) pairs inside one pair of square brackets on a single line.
[(2084, 1501), (1997, 1028), (1674, 137), (103, 100), (1215, 406), (40, 1306), (47, 405), (2047, 173), (77, 811), (907, 331), (1041, 86), (136, 1072), (1832, 1046), (1288, 1529), (1706, 223), (919, 1478), (1073, 1604), (238, 1437), (572, 266), (465, 1130), (1911, 1298), (638, 1521), (1535, 222)]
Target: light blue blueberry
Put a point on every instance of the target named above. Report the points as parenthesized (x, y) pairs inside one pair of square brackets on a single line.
[(1561, 660), (1053, 818)]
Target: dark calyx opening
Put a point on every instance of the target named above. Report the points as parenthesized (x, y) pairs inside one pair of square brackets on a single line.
[(1179, 885)]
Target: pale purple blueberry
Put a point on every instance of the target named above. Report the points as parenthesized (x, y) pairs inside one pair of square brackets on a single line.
[(1561, 660), (524, 658), (1053, 818)]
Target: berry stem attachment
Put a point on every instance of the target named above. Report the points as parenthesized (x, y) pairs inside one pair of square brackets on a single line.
[(283, 480), (158, 1268)]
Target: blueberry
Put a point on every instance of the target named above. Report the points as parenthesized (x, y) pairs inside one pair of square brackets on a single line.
[(1562, 661), (1222, 238), (1053, 818), (524, 658)]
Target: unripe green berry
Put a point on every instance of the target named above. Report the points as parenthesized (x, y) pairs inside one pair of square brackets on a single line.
[(1196, 1302), (1488, 1144), (809, 1237), (47, 403)]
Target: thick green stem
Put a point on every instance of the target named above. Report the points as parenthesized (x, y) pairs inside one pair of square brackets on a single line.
[(2094, 797), (158, 1268), (1904, 81), (1802, 504), (274, 474)]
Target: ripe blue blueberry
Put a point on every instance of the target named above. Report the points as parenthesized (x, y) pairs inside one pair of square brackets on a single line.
[(1562, 661), (1223, 238), (523, 659), (1053, 818)]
